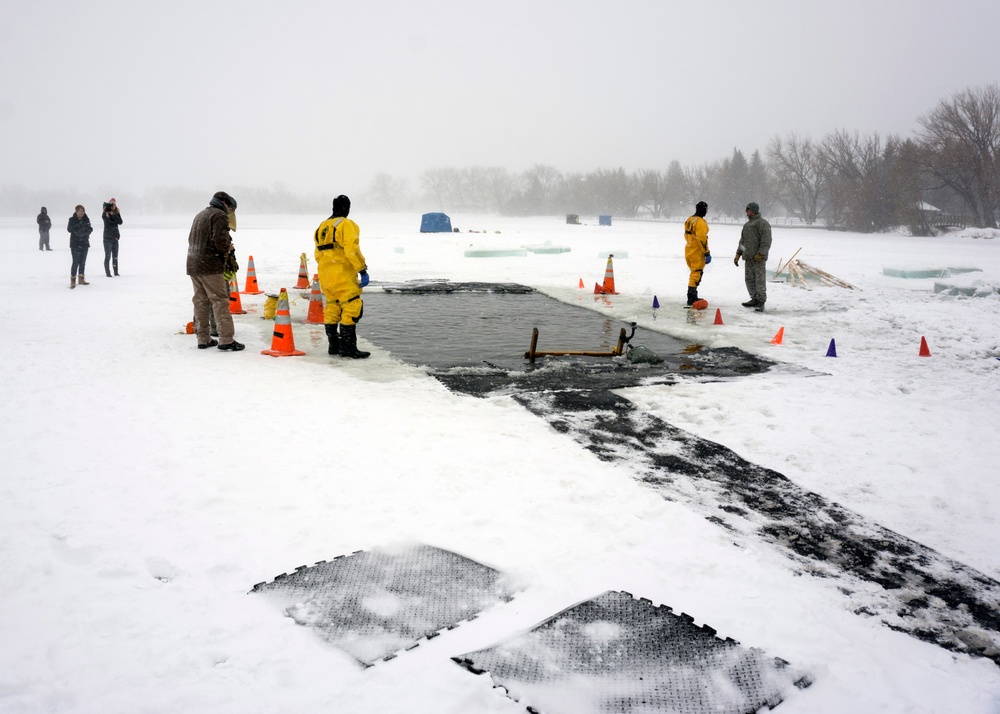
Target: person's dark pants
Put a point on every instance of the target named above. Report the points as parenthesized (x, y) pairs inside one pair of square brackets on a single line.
[(43, 239), (79, 260), (110, 255)]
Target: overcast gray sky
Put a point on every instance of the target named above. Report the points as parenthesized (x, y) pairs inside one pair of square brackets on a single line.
[(321, 95)]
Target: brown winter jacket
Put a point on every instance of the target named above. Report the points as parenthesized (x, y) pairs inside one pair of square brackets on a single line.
[(209, 242)]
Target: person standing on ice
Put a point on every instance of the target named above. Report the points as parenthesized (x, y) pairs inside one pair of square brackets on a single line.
[(209, 244), (44, 224), (112, 219), (343, 273), (755, 243), (79, 245), (696, 251)]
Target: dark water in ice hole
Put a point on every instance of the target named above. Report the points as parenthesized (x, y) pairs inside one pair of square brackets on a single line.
[(477, 328)]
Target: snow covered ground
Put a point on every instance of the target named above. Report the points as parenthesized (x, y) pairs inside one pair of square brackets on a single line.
[(149, 485)]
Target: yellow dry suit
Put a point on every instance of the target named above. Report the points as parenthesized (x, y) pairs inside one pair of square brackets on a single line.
[(696, 235), (339, 260)]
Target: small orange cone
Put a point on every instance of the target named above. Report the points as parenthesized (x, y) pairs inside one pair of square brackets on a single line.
[(315, 315), (251, 286), (779, 337), (924, 351), (282, 341), (235, 304), (718, 317), (303, 274), (581, 283)]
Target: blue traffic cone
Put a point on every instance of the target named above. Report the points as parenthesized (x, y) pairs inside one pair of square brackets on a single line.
[(656, 303), (831, 351)]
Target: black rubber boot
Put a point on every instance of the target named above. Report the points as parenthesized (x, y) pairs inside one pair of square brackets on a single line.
[(334, 337), (114, 266), (692, 296), (349, 343)]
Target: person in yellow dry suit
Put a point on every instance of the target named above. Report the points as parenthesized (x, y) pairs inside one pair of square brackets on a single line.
[(343, 272), (696, 251)]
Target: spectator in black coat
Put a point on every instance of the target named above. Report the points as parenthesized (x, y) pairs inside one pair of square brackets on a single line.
[(79, 245), (44, 223)]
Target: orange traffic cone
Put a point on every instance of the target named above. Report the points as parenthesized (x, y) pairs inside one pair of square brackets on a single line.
[(609, 278), (282, 342), (778, 337), (718, 316), (924, 351), (581, 283), (315, 315), (251, 286), (235, 304), (303, 273)]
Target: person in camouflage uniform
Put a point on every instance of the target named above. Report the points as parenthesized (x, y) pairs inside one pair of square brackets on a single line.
[(755, 243)]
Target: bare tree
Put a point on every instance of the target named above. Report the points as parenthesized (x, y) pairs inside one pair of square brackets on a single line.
[(652, 191), (962, 136), (435, 185), (541, 184), (856, 180), (386, 189), (499, 187), (798, 176)]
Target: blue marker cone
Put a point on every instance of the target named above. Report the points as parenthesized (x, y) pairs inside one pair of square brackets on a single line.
[(831, 351), (656, 303)]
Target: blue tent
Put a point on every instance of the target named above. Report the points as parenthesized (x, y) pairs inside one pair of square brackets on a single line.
[(435, 223)]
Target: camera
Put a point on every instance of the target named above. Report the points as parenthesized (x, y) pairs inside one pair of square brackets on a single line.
[(108, 207)]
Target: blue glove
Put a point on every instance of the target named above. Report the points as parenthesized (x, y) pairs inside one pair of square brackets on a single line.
[(708, 258), (364, 278)]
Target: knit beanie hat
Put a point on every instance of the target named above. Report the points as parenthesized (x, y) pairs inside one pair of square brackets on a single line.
[(341, 206)]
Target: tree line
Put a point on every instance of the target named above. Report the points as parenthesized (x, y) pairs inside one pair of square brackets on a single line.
[(947, 173)]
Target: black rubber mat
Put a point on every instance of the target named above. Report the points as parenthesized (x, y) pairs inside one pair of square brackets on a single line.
[(374, 603), (618, 654)]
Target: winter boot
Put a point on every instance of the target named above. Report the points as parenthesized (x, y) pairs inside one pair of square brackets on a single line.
[(107, 272), (72, 282), (114, 266), (692, 296), (749, 303), (334, 336), (349, 343), (82, 280)]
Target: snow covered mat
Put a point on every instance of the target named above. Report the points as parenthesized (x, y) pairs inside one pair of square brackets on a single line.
[(372, 604), (618, 654)]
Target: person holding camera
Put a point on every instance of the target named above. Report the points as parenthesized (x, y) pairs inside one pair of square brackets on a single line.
[(112, 219)]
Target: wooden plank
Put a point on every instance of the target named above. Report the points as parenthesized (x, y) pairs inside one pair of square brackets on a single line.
[(780, 268)]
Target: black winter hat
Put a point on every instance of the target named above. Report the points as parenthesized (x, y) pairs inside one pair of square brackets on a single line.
[(752, 206), (701, 209), (226, 199), (341, 206)]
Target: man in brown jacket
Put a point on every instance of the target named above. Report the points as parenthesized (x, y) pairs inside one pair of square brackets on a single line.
[(208, 245)]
